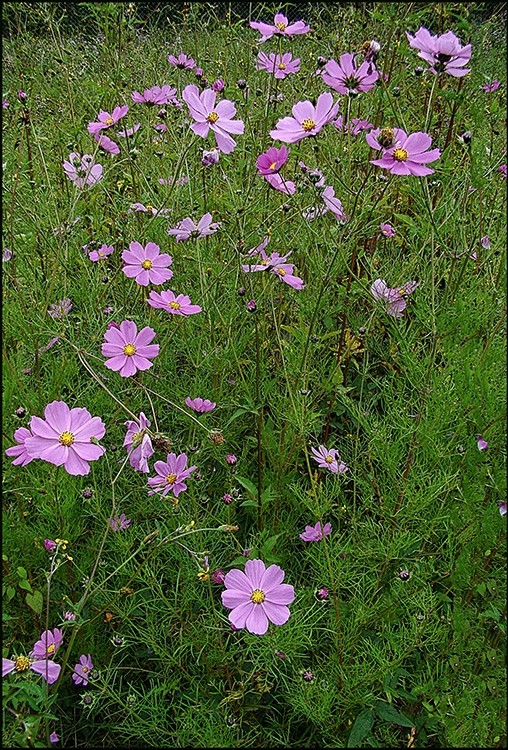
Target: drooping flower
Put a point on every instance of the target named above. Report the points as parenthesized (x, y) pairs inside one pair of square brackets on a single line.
[(47, 668), (330, 203), (19, 451), (120, 523), (128, 350), (147, 265), (492, 86), (481, 443), (329, 459), (314, 176), (257, 597), (149, 209), (69, 616), (66, 437), (355, 126), (218, 576), (485, 242), (175, 304), (394, 298), (182, 61), (387, 230), (156, 96), (280, 65), (107, 144), (170, 475), (345, 78), (272, 161), (276, 264), (200, 405), (102, 252), (106, 120), (48, 644), (307, 120), (316, 533), (409, 155), (280, 27), (59, 310), (186, 229), (207, 115), (278, 182), (82, 170), (444, 53), (138, 443), (82, 670)]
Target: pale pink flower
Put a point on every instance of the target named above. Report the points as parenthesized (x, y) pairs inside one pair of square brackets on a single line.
[(82, 170), (147, 265), (209, 116), (355, 126), (280, 65), (107, 144), (481, 443), (316, 533), (82, 670), (409, 155), (200, 405), (155, 96), (138, 443), (394, 298), (182, 61), (278, 182), (491, 87), (170, 475), (345, 78), (120, 523), (444, 53), (387, 230), (101, 253), (149, 209), (186, 229), (307, 120), (129, 132), (329, 459), (22, 458), (129, 351), (107, 120), (280, 27), (175, 304), (47, 668), (48, 644)]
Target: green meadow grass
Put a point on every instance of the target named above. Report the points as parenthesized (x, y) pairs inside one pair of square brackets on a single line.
[(395, 663)]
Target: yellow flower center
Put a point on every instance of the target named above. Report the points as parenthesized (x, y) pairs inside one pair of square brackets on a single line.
[(281, 26), (329, 460), (149, 207), (171, 478), (280, 271), (402, 291), (272, 165), (282, 66), (257, 596), (109, 121), (129, 350), (101, 255), (400, 154), (174, 305), (50, 649), (147, 264), (66, 438), (21, 664), (84, 669), (212, 117), (308, 125)]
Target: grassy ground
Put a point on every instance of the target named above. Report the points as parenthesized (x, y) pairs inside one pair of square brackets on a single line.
[(384, 660)]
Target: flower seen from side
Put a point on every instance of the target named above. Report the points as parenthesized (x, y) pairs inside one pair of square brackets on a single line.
[(182, 62), (175, 304), (218, 85), (394, 298), (129, 132), (128, 350), (156, 96), (66, 437), (329, 459), (322, 593), (50, 545), (149, 209), (316, 533), (280, 65), (21, 457), (491, 87), (503, 507), (409, 155), (120, 523), (106, 120), (307, 119), (106, 143), (211, 157), (200, 405), (82, 670), (48, 644), (257, 597), (210, 116), (187, 229), (138, 443), (218, 576), (170, 475), (387, 230), (147, 265), (345, 78), (101, 253), (280, 27), (82, 170), (383, 138), (54, 738), (277, 182), (276, 264), (444, 53)]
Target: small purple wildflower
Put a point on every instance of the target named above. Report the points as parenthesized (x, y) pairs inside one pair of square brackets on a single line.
[(120, 523), (82, 670)]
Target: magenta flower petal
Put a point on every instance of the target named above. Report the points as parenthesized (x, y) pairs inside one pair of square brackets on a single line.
[(48, 669)]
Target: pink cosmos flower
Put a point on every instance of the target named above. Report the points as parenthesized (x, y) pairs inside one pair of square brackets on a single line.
[(82, 670), (280, 65), (128, 132), (355, 125), (315, 176), (128, 350), (182, 61), (107, 144), (66, 437), (408, 155), (218, 576), (383, 138), (174, 304), (48, 644), (107, 120), (387, 230), (200, 405), (481, 443), (316, 533), (49, 670), (209, 158), (186, 229), (276, 264), (444, 53), (19, 451), (50, 545), (307, 120), (149, 209), (394, 298), (207, 116), (59, 310), (170, 475), (218, 85), (278, 182), (491, 87), (102, 252), (257, 597), (329, 459), (120, 523), (279, 27), (345, 78), (272, 161), (138, 443), (82, 170), (156, 96), (147, 265)]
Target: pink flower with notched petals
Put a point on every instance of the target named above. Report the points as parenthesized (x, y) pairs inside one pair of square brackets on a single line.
[(175, 304), (355, 126), (156, 96), (128, 350), (107, 120), (47, 668), (120, 523), (82, 170), (276, 264), (66, 437), (186, 229), (345, 78), (182, 61), (444, 53), (170, 475), (280, 65), (409, 155), (48, 644), (329, 459), (202, 406), (82, 670), (149, 209), (316, 533), (138, 443), (209, 116), (22, 458), (257, 597), (307, 120), (147, 265), (101, 253), (491, 87), (394, 298), (272, 161), (280, 27)]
